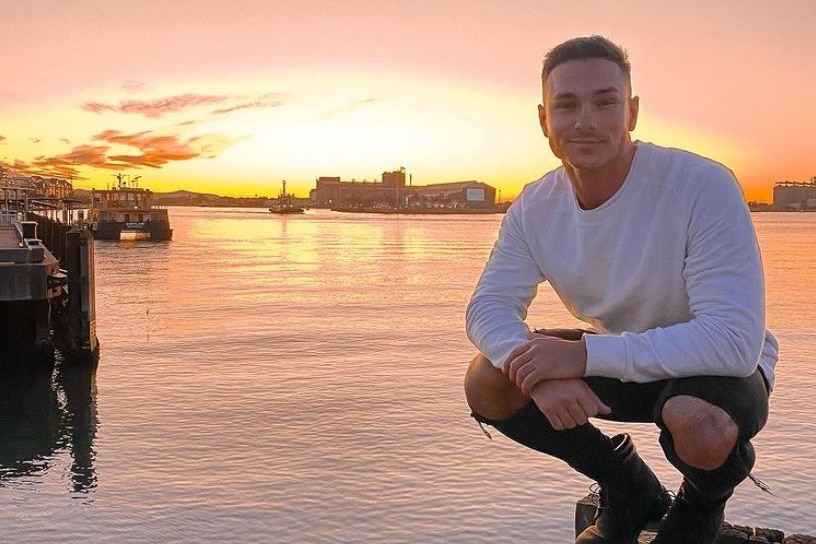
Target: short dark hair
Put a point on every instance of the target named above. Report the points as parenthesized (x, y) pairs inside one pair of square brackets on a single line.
[(588, 47)]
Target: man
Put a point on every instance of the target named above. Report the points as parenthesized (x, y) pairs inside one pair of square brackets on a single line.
[(655, 249)]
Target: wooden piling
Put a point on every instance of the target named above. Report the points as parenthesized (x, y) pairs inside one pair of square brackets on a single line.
[(80, 321)]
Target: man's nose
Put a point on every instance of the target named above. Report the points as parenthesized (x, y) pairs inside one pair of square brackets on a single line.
[(585, 117)]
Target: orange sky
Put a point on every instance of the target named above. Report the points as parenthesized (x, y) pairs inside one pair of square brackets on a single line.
[(232, 97)]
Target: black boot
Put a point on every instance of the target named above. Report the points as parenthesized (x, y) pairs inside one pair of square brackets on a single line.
[(631, 497), (698, 512), (693, 518)]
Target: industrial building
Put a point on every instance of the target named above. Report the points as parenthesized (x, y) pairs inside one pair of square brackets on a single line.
[(392, 193), (794, 195)]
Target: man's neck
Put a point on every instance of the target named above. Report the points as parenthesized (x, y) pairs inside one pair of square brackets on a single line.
[(594, 187)]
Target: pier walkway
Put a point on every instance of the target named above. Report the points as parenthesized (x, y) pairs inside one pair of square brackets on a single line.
[(8, 238), (25, 265)]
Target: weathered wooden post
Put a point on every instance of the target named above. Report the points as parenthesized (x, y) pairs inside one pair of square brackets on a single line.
[(79, 265)]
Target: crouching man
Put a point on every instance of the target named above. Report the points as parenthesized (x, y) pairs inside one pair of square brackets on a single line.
[(655, 250)]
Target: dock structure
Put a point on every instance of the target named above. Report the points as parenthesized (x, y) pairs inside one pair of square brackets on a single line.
[(46, 281)]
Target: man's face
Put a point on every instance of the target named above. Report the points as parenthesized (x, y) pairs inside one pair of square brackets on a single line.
[(588, 113)]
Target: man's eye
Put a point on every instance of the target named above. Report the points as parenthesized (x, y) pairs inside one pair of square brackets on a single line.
[(565, 105)]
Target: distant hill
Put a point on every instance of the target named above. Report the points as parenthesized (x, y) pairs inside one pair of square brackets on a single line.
[(183, 197), (182, 193)]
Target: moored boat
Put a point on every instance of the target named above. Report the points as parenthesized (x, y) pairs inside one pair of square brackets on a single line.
[(127, 213), (285, 203)]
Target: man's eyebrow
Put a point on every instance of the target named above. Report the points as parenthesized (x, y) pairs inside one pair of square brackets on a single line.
[(571, 95), (607, 90)]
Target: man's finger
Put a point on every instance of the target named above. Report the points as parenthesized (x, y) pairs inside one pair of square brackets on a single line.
[(555, 421), (521, 370), (516, 365), (567, 420), (599, 404), (578, 413), (518, 350), (592, 405), (530, 380)]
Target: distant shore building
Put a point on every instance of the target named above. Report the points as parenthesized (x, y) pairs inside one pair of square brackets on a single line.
[(392, 193), (42, 187), (794, 195)]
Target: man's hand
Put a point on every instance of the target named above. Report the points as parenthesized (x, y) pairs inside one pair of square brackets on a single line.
[(545, 358), (567, 403)]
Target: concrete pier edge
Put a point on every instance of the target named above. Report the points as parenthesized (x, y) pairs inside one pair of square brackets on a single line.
[(730, 534)]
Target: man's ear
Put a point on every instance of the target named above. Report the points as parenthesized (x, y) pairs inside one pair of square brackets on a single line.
[(634, 106), (542, 120)]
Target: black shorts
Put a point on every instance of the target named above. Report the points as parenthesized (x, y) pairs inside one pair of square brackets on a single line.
[(744, 399)]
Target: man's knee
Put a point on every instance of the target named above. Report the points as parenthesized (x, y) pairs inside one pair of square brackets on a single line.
[(489, 392), (703, 434)]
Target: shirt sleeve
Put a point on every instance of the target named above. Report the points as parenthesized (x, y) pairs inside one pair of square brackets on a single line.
[(725, 285), (509, 282)]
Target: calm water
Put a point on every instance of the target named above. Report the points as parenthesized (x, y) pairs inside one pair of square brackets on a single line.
[(298, 380)]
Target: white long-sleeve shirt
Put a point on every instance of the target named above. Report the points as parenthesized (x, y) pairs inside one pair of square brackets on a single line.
[(667, 271)]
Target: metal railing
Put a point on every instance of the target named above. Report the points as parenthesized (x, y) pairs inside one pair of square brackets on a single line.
[(8, 218)]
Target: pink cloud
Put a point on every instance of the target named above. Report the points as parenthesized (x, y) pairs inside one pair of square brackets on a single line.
[(271, 100), (65, 165), (150, 150), (133, 86), (157, 107), (179, 103), (157, 150)]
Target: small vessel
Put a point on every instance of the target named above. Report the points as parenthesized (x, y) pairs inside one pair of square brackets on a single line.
[(126, 212), (285, 203)]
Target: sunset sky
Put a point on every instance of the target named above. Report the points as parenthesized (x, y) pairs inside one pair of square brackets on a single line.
[(232, 97)]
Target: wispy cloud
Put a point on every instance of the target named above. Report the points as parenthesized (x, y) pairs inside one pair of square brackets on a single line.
[(157, 107), (271, 100), (132, 86), (346, 108), (180, 103)]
